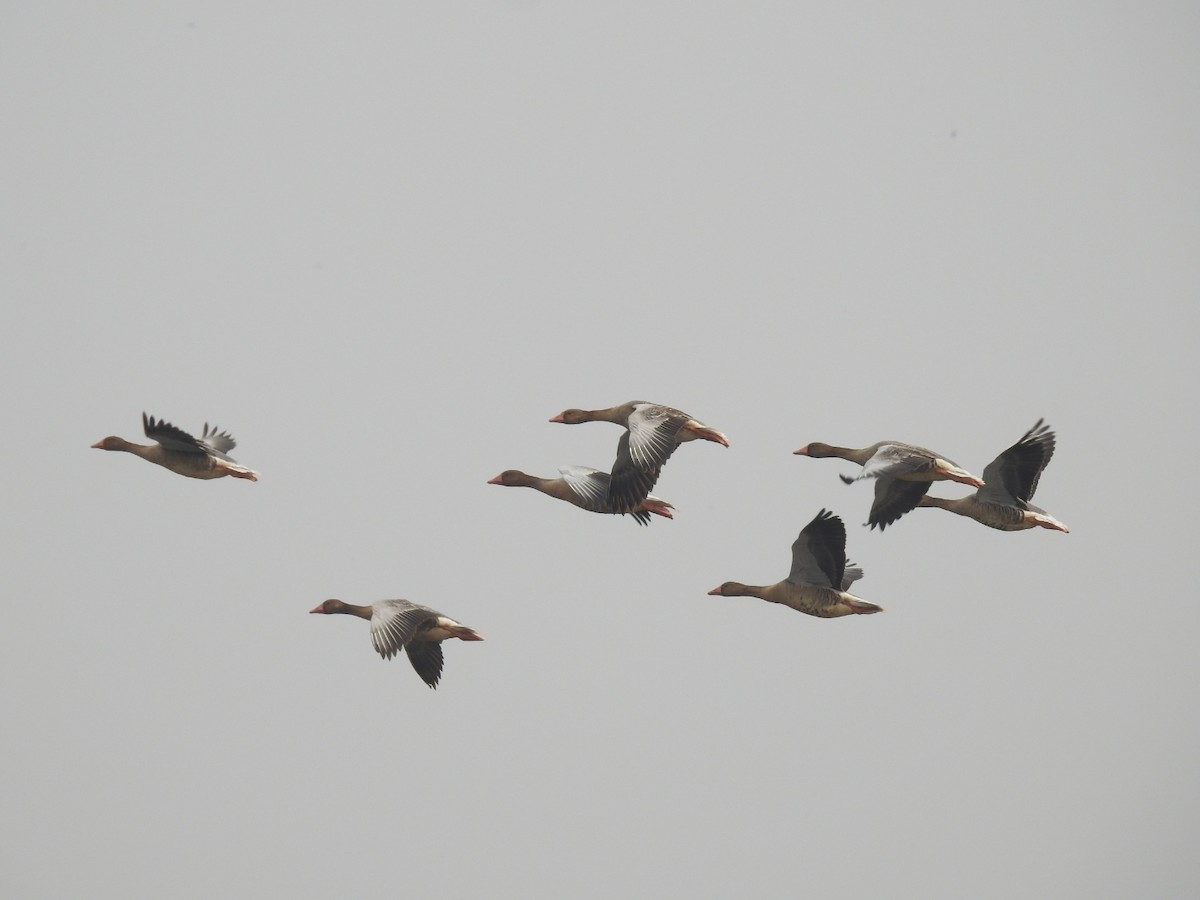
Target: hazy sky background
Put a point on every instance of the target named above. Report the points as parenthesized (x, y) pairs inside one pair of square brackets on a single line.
[(383, 243)]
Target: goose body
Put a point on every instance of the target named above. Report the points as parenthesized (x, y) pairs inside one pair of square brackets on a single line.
[(400, 625), (203, 457), (820, 577)]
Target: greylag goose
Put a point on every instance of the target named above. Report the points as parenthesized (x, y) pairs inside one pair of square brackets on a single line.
[(904, 473), (820, 577), (653, 431), (586, 488), (202, 457), (397, 624), (1010, 481)]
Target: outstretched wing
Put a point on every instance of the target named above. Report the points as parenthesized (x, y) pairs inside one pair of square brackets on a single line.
[(211, 442), (898, 459), (1012, 477), (394, 623), (219, 442), (819, 553), (894, 498), (426, 658), (851, 574), (652, 430), (169, 436), (591, 486), (631, 482)]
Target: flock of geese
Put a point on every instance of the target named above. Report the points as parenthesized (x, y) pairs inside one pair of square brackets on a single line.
[(821, 573)]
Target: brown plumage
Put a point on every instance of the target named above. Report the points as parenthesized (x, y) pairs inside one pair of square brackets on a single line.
[(400, 625), (202, 457), (820, 577)]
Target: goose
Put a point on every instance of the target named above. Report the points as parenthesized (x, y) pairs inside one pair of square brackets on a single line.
[(584, 487), (653, 431), (1010, 481), (397, 624), (904, 473), (820, 577), (202, 457)]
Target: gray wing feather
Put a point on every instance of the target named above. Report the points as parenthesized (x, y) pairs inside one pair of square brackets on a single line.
[(897, 459), (394, 623), (219, 442), (652, 430), (169, 436), (1012, 477), (894, 498), (630, 483), (819, 553), (212, 442), (589, 485), (852, 573), (426, 658)]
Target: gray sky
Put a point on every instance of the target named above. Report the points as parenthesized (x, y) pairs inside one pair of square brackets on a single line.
[(383, 243)]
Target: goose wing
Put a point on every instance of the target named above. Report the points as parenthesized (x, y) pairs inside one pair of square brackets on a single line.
[(1012, 477), (819, 553), (394, 623), (426, 658), (894, 498), (170, 436)]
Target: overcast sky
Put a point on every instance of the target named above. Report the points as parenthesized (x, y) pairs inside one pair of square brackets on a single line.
[(382, 244)]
